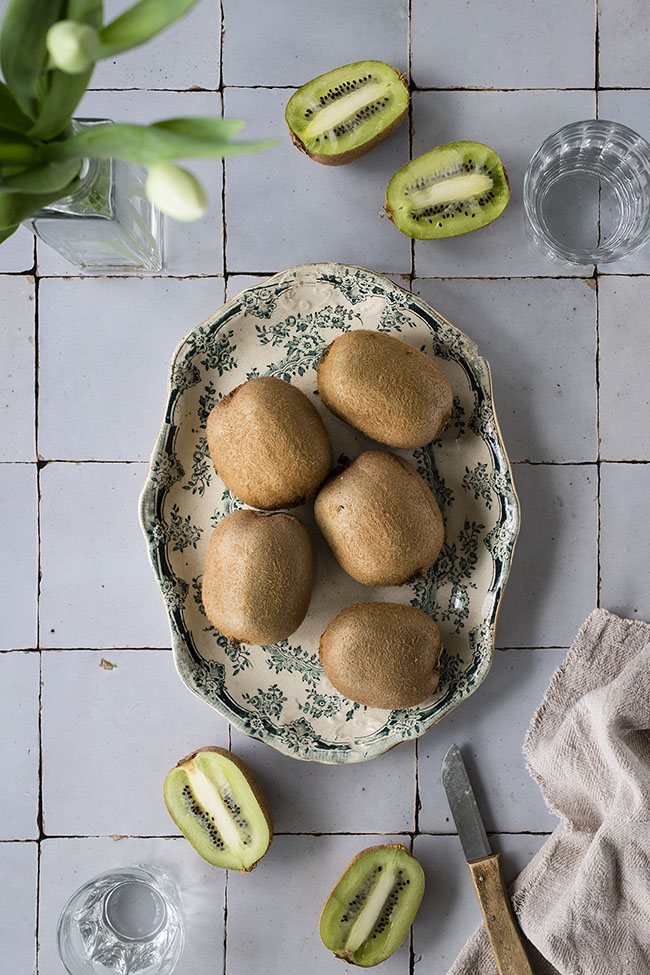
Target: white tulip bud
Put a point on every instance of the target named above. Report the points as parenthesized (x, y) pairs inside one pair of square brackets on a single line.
[(72, 47), (176, 192)]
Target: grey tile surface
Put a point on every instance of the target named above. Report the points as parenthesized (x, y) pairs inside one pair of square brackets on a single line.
[(19, 573), (625, 539), (17, 253), (289, 43), (97, 588), (18, 897), (102, 349), (490, 730), (106, 345), (17, 369), (553, 582), (19, 745), (514, 124), (449, 912), (120, 788), (624, 34), (301, 870), (545, 414), (555, 50), (624, 368), (282, 208), (66, 864), (310, 797), (185, 55), (190, 248)]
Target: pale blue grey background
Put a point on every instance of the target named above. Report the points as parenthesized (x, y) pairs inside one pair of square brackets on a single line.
[(82, 386)]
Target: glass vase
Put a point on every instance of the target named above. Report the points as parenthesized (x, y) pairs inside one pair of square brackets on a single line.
[(107, 224)]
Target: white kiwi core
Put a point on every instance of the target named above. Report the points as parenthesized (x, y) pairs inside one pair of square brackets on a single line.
[(332, 115), (367, 917), (449, 190)]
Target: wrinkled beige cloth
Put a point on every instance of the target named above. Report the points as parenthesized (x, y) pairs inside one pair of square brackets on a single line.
[(583, 901)]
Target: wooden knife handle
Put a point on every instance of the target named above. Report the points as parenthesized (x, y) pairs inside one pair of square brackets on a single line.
[(504, 935)]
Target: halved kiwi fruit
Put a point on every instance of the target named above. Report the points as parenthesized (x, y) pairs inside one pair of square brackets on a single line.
[(220, 808), (369, 912), (451, 190), (343, 114)]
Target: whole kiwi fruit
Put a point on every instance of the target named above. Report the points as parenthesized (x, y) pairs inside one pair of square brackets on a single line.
[(220, 808), (384, 387), (380, 519), (385, 655), (258, 576), (268, 443)]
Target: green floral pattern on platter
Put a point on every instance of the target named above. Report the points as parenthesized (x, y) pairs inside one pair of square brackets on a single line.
[(279, 693)]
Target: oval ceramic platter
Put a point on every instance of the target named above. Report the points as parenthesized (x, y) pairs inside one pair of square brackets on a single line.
[(279, 693)]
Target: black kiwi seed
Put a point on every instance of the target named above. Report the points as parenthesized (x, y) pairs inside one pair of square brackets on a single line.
[(196, 810)]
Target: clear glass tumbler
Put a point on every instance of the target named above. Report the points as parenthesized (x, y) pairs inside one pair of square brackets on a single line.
[(587, 194), (127, 921)]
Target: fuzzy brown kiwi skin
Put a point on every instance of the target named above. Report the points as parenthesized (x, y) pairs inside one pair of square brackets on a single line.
[(254, 615), (347, 157), (391, 688), (369, 849), (380, 520), (275, 500), (330, 384), (252, 780), (470, 230)]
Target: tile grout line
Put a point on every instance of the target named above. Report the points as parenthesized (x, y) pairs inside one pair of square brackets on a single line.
[(224, 227), (448, 88), (597, 292), (416, 791), (598, 460), (40, 812), (410, 122), (412, 834), (411, 277), (267, 273)]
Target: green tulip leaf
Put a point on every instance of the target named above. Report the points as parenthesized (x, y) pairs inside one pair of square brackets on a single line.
[(15, 207), (202, 128), (85, 12), (145, 144), (139, 23), (6, 232), (16, 149), (23, 52), (11, 116), (42, 179), (64, 93)]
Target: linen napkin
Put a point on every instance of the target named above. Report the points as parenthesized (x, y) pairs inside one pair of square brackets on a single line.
[(583, 901)]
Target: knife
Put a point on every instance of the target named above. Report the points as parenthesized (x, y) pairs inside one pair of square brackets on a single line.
[(485, 869)]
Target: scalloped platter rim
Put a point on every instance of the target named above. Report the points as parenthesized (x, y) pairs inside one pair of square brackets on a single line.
[(279, 694)]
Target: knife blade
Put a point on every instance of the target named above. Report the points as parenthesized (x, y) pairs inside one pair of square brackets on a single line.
[(463, 805), (485, 869)]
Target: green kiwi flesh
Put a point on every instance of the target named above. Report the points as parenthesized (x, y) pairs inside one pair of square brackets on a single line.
[(220, 808), (341, 115), (451, 190), (369, 912)]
